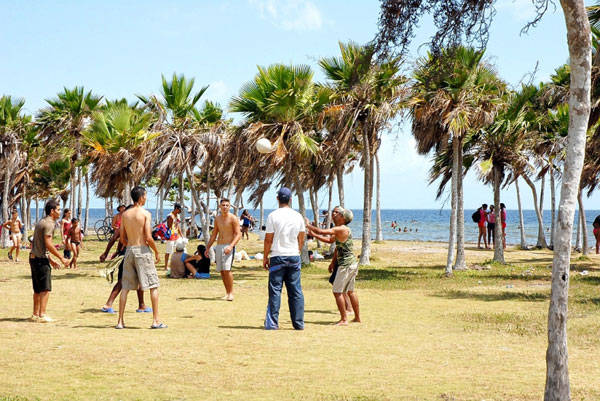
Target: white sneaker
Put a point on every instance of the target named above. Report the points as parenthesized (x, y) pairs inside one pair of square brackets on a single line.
[(45, 319)]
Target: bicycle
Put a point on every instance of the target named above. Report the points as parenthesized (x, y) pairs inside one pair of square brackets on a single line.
[(103, 228)]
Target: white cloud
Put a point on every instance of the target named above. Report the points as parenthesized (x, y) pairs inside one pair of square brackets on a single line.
[(291, 15), (521, 10)]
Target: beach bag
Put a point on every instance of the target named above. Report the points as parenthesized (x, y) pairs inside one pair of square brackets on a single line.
[(476, 216), (162, 231)]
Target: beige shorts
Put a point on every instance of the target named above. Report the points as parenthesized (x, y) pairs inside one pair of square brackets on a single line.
[(16, 237), (344, 279), (224, 262), (170, 247), (139, 269)]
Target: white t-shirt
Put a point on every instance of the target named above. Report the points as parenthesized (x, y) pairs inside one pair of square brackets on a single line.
[(285, 223)]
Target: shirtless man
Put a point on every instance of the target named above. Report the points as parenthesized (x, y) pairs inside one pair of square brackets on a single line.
[(116, 224), (14, 226), (173, 225), (74, 239), (227, 227), (138, 268)]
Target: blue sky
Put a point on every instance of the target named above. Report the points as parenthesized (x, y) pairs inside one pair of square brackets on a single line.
[(118, 49)]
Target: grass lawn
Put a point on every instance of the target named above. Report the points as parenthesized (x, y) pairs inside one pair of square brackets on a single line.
[(480, 335)]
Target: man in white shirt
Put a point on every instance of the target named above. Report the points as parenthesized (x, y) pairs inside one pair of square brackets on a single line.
[(283, 240)]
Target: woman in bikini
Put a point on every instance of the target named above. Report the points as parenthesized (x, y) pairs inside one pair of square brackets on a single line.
[(65, 226), (596, 225)]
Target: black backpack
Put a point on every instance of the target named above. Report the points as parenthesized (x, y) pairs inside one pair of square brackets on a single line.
[(476, 216)]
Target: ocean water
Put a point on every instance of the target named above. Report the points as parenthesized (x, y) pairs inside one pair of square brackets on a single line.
[(429, 224)]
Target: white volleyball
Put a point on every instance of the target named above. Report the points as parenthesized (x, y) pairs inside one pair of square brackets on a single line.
[(263, 145)]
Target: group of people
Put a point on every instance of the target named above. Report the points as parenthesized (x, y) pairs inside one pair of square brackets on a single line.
[(486, 223), (284, 238), (72, 237)]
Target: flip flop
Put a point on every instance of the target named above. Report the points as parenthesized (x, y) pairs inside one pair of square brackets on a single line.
[(10, 256), (107, 310), (147, 310), (160, 326)]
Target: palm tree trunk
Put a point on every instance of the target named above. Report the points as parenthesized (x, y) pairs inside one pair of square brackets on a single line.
[(340, 184), (182, 201), (207, 211), (521, 219), (156, 210), (79, 193), (238, 200), (193, 226), (329, 203), (378, 228), (460, 263), (584, 237), (72, 194), (37, 210), (452, 233), (542, 190), (262, 212), (365, 250), (126, 196), (5, 193), (315, 209), (162, 194), (579, 39), (498, 243), (196, 200), (541, 240), (302, 209), (87, 202), (578, 235), (552, 207)]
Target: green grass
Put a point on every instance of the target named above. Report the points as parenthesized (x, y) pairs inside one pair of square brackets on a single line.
[(478, 335)]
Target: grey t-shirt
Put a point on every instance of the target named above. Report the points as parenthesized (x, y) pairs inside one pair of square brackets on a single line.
[(43, 227)]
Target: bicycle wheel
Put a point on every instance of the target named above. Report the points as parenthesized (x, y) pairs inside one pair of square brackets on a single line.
[(103, 233)]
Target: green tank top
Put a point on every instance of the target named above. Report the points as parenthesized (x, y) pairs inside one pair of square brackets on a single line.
[(345, 256)]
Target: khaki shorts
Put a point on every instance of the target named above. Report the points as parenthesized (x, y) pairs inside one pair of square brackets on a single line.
[(139, 269), (224, 262), (170, 247), (344, 279), (16, 237)]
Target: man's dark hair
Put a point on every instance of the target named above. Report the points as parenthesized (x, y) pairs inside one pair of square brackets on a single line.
[(177, 206), (74, 220), (200, 250), (225, 200), (137, 193), (484, 206), (50, 206)]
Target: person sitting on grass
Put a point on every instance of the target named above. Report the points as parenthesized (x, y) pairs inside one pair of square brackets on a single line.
[(199, 261), (74, 239), (346, 262), (178, 265)]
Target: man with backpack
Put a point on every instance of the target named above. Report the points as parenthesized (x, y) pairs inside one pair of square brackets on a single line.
[(480, 217)]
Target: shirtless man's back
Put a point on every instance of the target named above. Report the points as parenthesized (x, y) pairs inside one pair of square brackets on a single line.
[(139, 269), (227, 229)]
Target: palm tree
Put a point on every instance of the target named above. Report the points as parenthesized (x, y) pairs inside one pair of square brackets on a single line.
[(454, 93), (181, 145), (120, 145), (369, 94), (61, 125), (283, 105)]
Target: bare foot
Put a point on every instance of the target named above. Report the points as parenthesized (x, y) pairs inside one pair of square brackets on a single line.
[(229, 297), (342, 323), (355, 320)]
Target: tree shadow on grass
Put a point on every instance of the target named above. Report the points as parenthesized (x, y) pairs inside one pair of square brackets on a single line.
[(382, 275), (95, 310), (516, 277), (201, 298), (328, 312), (495, 296), (107, 327), (56, 276), (14, 319), (242, 327), (592, 280), (592, 301)]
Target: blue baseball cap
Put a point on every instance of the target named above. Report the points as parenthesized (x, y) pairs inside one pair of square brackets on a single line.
[(284, 194)]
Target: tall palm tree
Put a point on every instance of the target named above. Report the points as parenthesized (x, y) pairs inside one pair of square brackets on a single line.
[(121, 145), (61, 125), (181, 145), (282, 104), (368, 95), (454, 92)]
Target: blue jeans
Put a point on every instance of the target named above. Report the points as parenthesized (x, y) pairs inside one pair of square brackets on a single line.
[(285, 269)]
